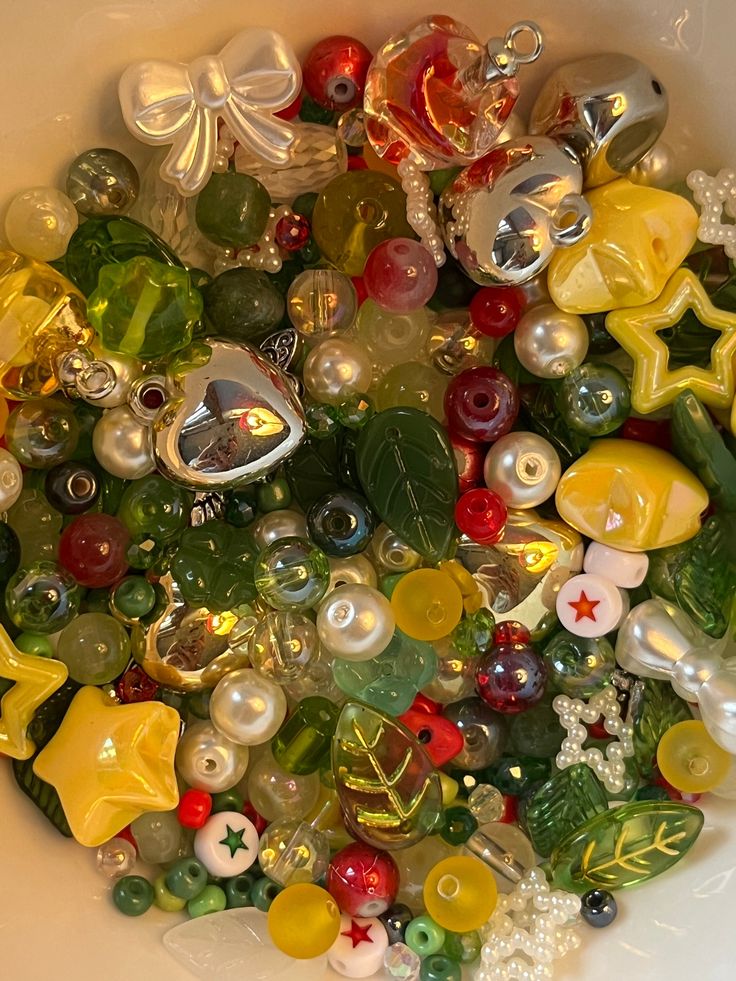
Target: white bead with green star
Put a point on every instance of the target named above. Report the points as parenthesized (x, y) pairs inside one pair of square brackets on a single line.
[(227, 844)]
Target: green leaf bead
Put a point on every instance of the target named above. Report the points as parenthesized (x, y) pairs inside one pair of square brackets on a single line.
[(567, 800), (274, 495), (43, 795), (407, 469), (312, 112), (227, 800), (699, 445), (165, 899), (238, 890), (213, 566), (232, 209), (655, 709), (438, 967), (458, 824), (263, 893), (186, 878), (212, 899), (133, 895), (424, 936), (315, 470)]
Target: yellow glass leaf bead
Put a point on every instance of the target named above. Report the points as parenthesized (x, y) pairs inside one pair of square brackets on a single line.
[(690, 759), (111, 763), (460, 893), (631, 496), (427, 604), (303, 921), (639, 236)]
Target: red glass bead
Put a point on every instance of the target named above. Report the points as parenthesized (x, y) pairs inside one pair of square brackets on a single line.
[(136, 686), (674, 794), (656, 432), (481, 515), (362, 880), (292, 232), (481, 404), (292, 110), (94, 549), (195, 806), (511, 632), (260, 823), (511, 678), (335, 70), (496, 310), (597, 730), (469, 460), (360, 289), (356, 162), (422, 703), (400, 275), (440, 738), (510, 809)]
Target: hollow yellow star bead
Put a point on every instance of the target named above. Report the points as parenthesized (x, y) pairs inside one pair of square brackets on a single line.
[(35, 679), (636, 330), (110, 763)]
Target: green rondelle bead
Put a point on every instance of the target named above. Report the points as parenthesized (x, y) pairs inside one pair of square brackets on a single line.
[(424, 936), (232, 209), (238, 890), (164, 898), (440, 968), (321, 420), (186, 878), (355, 412), (36, 644), (212, 899), (464, 948), (263, 893), (133, 895), (274, 495), (132, 598), (227, 800), (458, 825)]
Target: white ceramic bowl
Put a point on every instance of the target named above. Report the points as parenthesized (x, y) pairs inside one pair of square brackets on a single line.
[(60, 66)]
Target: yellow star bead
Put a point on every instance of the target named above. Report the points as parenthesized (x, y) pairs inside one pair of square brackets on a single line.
[(635, 329), (111, 763), (35, 679)]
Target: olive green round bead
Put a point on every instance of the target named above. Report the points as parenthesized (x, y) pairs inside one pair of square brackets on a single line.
[(238, 890), (458, 825), (424, 936), (274, 495), (462, 947), (227, 800), (232, 209), (164, 898), (440, 968), (212, 899), (186, 878), (263, 893), (133, 895), (133, 598), (36, 644)]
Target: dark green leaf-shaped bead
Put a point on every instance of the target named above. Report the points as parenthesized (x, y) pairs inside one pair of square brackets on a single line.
[(211, 899), (562, 804), (186, 878), (232, 209), (213, 566), (43, 795), (699, 445), (314, 470), (407, 469), (656, 709), (133, 895)]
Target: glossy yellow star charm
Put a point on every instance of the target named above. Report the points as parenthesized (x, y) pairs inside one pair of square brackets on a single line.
[(635, 329), (110, 763), (35, 679)]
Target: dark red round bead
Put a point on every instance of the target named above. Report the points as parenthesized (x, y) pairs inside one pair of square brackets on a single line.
[(292, 232), (511, 678), (136, 686), (481, 515), (511, 632), (94, 549), (496, 310), (362, 880), (260, 823), (481, 404)]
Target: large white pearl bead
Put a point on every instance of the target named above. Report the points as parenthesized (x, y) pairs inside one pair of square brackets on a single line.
[(207, 760), (523, 469), (122, 444), (247, 708), (335, 369), (550, 342), (355, 622), (227, 844), (351, 569)]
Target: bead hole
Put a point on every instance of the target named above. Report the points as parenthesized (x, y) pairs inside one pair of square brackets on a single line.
[(657, 86), (481, 400), (448, 887), (424, 736)]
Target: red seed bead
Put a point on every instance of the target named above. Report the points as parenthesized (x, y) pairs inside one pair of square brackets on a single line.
[(292, 232), (674, 794), (597, 730), (94, 549), (511, 678), (469, 460), (260, 823), (335, 70), (136, 686), (195, 806), (496, 310), (481, 515), (356, 162), (292, 110), (127, 834), (655, 432), (362, 880), (481, 404), (511, 632)]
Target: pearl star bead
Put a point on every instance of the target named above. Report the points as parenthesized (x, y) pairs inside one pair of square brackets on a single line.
[(611, 768), (715, 195)]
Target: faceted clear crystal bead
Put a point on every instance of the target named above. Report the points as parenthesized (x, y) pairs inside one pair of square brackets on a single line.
[(402, 963), (486, 803)]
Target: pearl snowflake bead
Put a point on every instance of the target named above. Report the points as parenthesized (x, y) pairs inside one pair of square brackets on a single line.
[(715, 195), (264, 255), (420, 211), (611, 768)]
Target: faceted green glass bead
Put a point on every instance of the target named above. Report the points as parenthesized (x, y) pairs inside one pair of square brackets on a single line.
[(579, 666), (355, 412), (464, 948), (243, 304), (322, 421), (213, 566), (626, 846), (302, 744), (312, 112), (232, 209), (474, 634), (227, 800), (133, 598), (133, 895), (186, 878), (154, 507), (536, 732), (238, 890), (567, 800), (264, 892), (212, 899), (458, 824), (144, 308), (407, 468), (438, 967), (274, 495), (424, 936), (699, 445), (516, 774), (164, 899)]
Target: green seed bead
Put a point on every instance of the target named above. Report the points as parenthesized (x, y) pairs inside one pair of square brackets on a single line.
[(227, 800), (274, 495), (165, 899), (133, 895), (36, 644), (133, 598), (238, 890), (440, 968), (263, 893), (459, 824), (424, 936), (212, 899), (462, 947), (186, 878)]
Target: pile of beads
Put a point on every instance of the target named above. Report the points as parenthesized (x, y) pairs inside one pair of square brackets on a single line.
[(367, 476)]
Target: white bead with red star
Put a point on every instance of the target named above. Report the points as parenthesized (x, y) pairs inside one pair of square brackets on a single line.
[(609, 768), (625, 569), (591, 606), (360, 946)]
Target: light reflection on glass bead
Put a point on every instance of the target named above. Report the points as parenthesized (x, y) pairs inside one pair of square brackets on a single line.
[(291, 574), (116, 858), (292, 851), (283, 645), (401, 963)]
